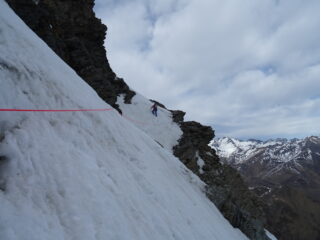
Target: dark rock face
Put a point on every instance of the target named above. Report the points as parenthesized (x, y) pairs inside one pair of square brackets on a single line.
[(71, 29), (177, 116), (225, 187), (192, 145)]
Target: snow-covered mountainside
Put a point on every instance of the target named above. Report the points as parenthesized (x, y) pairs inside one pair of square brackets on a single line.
[(286, 176), (86, 175), (278, 153), (139, 114), (72, 30)]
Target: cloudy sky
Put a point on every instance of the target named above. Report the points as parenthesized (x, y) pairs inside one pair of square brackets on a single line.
[(250, 69)]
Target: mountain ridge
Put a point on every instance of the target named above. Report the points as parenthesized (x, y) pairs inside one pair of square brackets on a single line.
[(85, 175), (76, 35), (285, 174)]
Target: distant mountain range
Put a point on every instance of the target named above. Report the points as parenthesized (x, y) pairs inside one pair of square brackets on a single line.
[(285, 174)]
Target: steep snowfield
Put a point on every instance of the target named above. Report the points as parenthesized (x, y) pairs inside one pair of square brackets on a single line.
[(85, 175), (139, 114)]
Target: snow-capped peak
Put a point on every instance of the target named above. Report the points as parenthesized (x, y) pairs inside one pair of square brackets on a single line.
[(274, 150), (228, 146)]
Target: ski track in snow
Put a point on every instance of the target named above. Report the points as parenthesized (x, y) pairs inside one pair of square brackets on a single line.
[(83, 175)]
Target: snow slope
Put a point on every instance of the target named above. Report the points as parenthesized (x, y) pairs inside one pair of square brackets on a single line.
[(139, 113), (85, 175)]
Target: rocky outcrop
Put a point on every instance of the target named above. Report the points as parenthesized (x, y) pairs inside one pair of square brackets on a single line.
[(192, 146), (178, 116), (71, 29), (225, 187)]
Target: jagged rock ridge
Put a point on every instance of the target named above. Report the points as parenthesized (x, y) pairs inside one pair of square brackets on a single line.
[(225, 186), (71, 29), (86, 175), (286, 176)]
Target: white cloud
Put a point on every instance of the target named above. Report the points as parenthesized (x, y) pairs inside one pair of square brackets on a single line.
[(249, 68)]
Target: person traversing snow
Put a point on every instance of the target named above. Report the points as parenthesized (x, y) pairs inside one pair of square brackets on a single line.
[(154, 108)]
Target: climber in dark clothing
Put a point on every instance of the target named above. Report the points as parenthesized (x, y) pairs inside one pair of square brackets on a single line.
[(154, 108)]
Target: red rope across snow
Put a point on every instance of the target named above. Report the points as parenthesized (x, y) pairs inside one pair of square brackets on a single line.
[(68, 110), (55, 110)]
